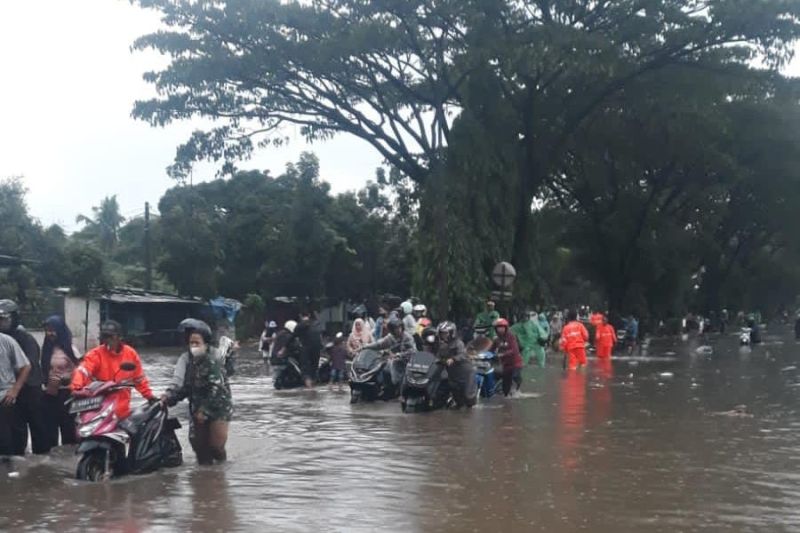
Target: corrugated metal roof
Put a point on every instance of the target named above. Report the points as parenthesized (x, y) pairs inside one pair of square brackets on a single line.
[(127, 297)]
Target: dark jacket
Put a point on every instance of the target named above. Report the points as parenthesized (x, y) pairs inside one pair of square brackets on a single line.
[(310, 337), (338, 357), (453, 350), (507, 348), (32, 352)]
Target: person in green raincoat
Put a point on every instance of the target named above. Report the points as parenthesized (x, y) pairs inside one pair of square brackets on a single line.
[(485, 320), (529, 333), (541, 345)]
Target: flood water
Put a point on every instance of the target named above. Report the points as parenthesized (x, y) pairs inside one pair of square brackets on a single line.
[(676, 439)]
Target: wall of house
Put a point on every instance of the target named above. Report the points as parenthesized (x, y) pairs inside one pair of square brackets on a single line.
[(75, 316)]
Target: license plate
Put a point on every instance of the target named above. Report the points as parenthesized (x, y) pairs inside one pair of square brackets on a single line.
[(85, 404)]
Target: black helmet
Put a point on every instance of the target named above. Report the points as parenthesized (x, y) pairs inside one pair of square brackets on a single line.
[(110, 328), (193, 325), (446, 331), (395, 325), (429, 335)]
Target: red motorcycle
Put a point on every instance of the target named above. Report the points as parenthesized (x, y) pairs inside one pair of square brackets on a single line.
[(109, 447)]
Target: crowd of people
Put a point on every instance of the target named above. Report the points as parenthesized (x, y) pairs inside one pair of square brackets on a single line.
[(37, 382), (34, 384), (408, 328)]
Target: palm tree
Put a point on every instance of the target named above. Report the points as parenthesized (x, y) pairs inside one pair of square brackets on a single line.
[(105, 223)]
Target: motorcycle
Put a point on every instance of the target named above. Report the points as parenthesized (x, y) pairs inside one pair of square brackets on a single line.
[(324, 368), (287, 373), (486, 380), (109, 447), (375, 375), (429, 384), (745, 337), (486, 363), (425, 385)]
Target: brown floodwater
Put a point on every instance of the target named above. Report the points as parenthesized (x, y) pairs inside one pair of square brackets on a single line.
[(677, 438)]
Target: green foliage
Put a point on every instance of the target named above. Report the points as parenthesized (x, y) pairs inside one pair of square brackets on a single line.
[(86, 268), (505, 104), (284, 236), (104, 225)]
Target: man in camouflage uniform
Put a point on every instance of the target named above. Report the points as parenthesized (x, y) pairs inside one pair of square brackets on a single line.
[(200, 376)]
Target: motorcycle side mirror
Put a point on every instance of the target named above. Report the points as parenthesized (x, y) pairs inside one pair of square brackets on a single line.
[(127, 366)]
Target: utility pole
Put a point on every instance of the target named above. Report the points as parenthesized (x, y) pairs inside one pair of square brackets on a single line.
[(148, 265)]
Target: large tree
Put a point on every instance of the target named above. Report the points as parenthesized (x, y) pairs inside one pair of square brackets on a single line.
[(397, 74)]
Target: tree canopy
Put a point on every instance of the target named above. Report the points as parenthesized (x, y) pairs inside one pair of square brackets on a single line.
[(623, 113)]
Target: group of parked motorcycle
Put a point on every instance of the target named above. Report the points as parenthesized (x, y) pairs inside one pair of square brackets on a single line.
[(419, 378)]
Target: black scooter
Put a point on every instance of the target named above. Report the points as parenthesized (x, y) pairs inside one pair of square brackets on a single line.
[(425, 386), (429, 384), (286, 373), (376, 376)]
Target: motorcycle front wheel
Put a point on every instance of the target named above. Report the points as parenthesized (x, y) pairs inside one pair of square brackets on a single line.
[(355, 396), (92, 466)]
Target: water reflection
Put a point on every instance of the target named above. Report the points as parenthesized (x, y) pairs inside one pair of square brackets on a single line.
[(571, 420), (643, 443)]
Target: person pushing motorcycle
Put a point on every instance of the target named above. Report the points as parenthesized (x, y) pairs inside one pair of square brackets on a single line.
[(461, 372), (397, 341), (104, 364)]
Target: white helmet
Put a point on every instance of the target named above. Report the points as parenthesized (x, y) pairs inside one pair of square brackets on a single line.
[(407, 308), (290, 325), (420, 308)]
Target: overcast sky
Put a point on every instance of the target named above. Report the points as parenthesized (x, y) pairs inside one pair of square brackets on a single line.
[(68, 81), (67, 84)]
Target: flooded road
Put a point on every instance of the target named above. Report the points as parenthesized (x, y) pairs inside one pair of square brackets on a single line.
[(678, 439)]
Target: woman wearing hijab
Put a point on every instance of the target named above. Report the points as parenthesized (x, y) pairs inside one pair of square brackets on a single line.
[(360, 336), (59, 360)]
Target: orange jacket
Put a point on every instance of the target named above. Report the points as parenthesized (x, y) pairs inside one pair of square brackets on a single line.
[(605, 335), (573, 336), (101, 364)]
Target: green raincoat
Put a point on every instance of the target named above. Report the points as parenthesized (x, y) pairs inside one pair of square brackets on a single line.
[(486, 319), (541, 345), (528, 334)]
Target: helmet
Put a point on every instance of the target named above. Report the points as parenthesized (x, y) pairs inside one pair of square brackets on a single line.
[(8, 308), (407, 308), (272, 324), (290, 325), (446, 331), (429, 335), (500, 323), (192, 325), (110, 328), (395, 325), (425, 322), (421, 309)]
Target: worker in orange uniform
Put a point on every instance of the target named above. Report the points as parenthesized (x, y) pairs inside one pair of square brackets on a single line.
[(604, 339), (104, 364), (573, 341)]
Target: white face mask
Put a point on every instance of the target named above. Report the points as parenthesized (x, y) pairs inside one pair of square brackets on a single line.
[(197, 350)]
